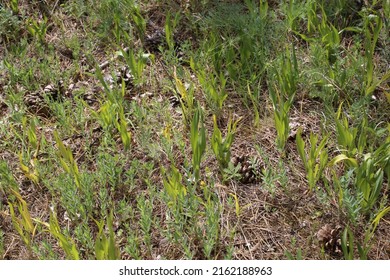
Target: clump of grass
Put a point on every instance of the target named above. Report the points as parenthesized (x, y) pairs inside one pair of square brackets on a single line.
[(105, 247), (221, 147), (316, 160), (10, 26), (198, 141), (282, 89), (2, 246), (24, 224)]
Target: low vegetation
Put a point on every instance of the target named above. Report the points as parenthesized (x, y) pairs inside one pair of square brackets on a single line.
[(194, 129)]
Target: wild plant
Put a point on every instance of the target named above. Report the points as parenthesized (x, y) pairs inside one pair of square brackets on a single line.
[(186, 98), (105, 247), (122, 127), (111, 113), (294, 10), (369, 181), (170, 25), (212, 213), (254, 40), (321, 31), (174, 188), (198, 141), (221, 147), (352, 139), (369, 173), (23, 225), (114, 19), (348, 239), (9, 25), (133, 246), (139, 21), (179, 202), (330, 38), (316, 160), (282, 89), (236, 203), (7, 180), (382, 156), (298, 254), (38, 29), (31, 173), (348, 243), (45, 251), (67, 161), (136, 63), (273, 178), (197, 5), (372, 27), (347, 196), (65, 242), (145, 207), (214, 87), (2, 247), (14, 5), (255, 106), (232, 172), (281, 118)]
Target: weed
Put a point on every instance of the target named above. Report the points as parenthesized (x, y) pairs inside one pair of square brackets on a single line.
[(186, 98), (174, 188), (316, 160), (221, 147), (38, 29), (170, 25), (145, 206), (272, 177), (2, 246), (198, 141), (132, 247), (9, 25), (136, 63), (214, 87), (139, 21), (351, 139), (14, 4), (65, 242), (23, 225), (297, 255), (232, 172), (372, 28), (212, 213), (112, 18), (45, 251), (105, 247), (282, 99), (67, 161), (131, 176)]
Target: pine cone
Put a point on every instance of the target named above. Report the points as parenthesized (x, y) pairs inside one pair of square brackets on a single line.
[(250, 168), (154, 40), (329, 238), (174, 101), (36, 103), (124, 74)]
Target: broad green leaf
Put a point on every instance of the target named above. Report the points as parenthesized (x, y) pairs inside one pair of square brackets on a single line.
[(379, 216), (342, 157)]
